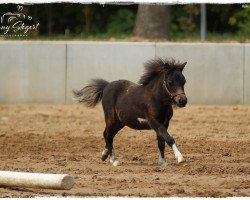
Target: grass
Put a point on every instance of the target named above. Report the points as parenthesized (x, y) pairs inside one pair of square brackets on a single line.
[(177, 37), (210, 37), (72, 37)]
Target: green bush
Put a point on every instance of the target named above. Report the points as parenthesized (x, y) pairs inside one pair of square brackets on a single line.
[(121, 22), (241, 19), (185, 18)]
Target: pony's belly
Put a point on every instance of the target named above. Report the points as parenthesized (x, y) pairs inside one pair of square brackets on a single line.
[(139, 127), (131, 120), (137, 123)]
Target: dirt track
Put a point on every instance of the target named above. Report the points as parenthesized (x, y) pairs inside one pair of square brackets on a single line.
[(215, 140)]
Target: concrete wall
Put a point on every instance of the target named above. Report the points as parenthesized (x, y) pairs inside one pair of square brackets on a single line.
[(214, 72), (46, 72), (246, 73), (32, 72), (108, 60)]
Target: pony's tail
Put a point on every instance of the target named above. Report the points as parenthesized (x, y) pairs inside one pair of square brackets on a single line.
[(91, 94)]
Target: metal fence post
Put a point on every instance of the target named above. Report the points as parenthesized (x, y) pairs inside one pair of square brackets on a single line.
[(203, 25)]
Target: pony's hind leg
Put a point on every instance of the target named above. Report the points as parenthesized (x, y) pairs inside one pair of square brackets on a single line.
[(109, 134), (105, 152)]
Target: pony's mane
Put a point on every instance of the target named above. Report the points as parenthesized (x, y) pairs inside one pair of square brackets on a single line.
[(156, 66)]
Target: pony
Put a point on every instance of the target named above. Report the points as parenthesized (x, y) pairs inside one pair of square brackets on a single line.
[(143, 106)]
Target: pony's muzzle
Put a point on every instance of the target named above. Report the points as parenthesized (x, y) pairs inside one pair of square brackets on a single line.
[(181, 100)]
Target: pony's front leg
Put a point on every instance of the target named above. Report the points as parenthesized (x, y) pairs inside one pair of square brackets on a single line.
[(113, 159), (177, 154), (161, 146), (162, 133)]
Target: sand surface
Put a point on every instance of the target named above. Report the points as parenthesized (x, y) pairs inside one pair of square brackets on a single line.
[(215, 141)]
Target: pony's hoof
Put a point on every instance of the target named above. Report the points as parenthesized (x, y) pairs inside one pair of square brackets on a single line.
[(180, 159), (104, 157), (116, 163), (164, 164)]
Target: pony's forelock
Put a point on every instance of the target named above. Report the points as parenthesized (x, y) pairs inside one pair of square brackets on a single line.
[(157, 66)]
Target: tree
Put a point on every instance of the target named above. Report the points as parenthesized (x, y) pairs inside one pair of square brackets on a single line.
[(50, 22), (152, 21), (88, 19)]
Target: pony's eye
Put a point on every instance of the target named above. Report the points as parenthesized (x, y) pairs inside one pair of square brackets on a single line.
[(170, 82)]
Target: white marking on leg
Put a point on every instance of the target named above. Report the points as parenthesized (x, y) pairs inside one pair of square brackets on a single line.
[(113, 159), (162, 161), (116, 163), (177, 154), (141, 120), (105, 152)]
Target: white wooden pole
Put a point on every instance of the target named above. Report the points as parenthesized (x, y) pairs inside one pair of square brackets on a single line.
[(36, 180)]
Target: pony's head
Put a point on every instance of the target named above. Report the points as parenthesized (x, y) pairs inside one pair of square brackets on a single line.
[(174, 82), (169, 73)]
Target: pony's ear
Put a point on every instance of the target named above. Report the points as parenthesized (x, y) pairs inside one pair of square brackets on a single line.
[(183, 65)]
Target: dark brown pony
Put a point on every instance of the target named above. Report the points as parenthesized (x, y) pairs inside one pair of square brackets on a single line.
[(147, 105)]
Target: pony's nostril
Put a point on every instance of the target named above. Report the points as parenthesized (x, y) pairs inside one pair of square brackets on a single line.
[(182, 101), (185, 102)]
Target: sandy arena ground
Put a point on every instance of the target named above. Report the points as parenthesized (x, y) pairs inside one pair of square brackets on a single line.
[(215, 140)]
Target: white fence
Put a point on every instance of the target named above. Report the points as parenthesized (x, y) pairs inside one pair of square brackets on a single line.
[(46, 72)]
